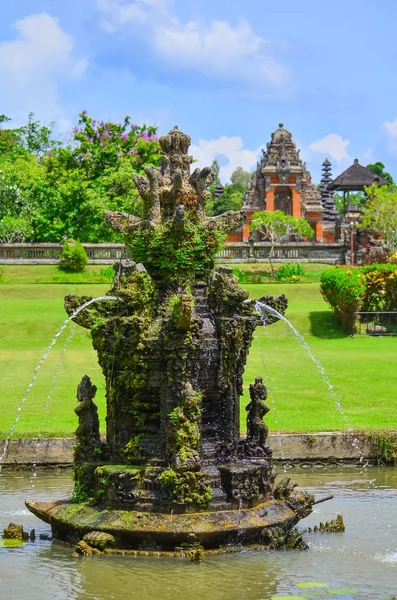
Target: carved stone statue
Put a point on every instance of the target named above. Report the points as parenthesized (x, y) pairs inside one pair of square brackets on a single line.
[(89, 445), (172, 343), (257, 430)]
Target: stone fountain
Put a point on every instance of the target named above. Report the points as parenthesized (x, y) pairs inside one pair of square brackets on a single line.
[(173, 469)]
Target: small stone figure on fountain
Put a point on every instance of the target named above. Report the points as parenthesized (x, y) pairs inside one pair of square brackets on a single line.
[(89, 445), (257, 430)]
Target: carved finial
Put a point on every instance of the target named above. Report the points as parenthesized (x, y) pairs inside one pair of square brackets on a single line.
[(281, 125)]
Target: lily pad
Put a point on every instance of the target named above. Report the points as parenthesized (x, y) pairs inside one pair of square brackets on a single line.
[(343, 591), (311, 585), (11, 543)]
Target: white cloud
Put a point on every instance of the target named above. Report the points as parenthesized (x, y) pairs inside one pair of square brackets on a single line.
[(32, 65), (231, 148), (367, 156), (117, 13), (215, 49), (389, 129), (332, 145)]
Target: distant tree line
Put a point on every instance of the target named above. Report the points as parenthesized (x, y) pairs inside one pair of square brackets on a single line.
[(50, 191)]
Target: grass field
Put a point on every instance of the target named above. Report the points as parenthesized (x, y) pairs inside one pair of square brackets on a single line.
[(363, 370)]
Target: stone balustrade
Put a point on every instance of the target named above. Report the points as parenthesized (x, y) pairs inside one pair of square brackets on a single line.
[(332, 253), (50, 253)]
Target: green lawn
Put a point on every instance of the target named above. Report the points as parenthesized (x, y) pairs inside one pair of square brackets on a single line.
[(312, 270), (363, 370), (17, 274), (30, 315)]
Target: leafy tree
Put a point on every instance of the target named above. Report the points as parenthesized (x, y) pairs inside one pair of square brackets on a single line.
[(231, 199), (14, 230), (216, 169), (97, 173), (32, 138), (277, 227), (357, 198), (380, 213), (241, 178), (63, 190), (379, 169), (233, 193), (8, 139)]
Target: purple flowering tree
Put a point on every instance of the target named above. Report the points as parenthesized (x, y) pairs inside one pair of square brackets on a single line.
[(95, 173)]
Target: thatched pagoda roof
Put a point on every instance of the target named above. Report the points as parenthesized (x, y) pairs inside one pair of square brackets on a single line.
[(356, 177)]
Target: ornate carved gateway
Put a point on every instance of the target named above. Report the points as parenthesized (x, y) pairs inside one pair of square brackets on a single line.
[(282, 182)]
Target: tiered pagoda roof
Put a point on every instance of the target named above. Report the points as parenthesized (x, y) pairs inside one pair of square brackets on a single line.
[(327, 198)]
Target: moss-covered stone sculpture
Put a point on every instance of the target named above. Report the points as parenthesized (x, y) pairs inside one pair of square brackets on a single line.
[(172, 349)]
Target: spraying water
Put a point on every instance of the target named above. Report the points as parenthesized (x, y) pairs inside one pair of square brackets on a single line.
[(49, 398), (36, 370), (263, 309), (275, 414)]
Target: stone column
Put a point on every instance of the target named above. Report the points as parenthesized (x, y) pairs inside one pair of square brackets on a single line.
[(296, 204), (270, 200)]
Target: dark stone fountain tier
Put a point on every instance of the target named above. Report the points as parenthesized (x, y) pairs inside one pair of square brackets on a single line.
[(173, 348)]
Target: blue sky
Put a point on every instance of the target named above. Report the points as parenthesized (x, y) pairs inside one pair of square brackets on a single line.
[(227, 72)]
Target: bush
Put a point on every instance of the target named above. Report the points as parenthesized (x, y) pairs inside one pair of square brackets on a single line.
[(290, 272), (343, 289), (73, 257), (253, 276), (380, 282)]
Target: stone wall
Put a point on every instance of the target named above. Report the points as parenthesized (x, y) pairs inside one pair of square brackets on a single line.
[(291, 447)]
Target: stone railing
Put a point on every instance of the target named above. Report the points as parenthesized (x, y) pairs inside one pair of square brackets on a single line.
[(332, 253), (50, 253)]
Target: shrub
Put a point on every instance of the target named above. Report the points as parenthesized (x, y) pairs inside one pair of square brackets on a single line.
[(169, 257), (393, 259), (73, 257), (291, 272), (343, 289), (380, 282), (252, 276)]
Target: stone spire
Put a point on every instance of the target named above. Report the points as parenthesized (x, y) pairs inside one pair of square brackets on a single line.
[(327, 198)]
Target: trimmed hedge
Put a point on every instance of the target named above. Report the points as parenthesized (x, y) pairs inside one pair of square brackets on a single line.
[(350, 289), (73, 258)]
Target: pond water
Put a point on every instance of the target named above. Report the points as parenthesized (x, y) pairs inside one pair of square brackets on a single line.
[(364, 557)]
